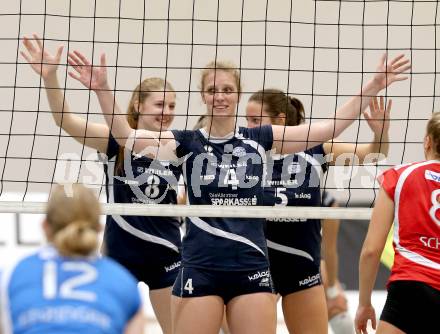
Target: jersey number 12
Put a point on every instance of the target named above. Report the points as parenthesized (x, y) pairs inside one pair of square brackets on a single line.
[(70, 288)]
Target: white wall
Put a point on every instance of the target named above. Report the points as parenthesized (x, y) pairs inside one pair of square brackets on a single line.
[(292, 41)]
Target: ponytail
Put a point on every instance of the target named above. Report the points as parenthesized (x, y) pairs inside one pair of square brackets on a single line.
[(276, 102), (297, 115), (76, 239)]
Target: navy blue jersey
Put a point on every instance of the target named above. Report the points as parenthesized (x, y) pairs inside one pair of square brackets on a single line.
[(295, 181), (224, 171), (47, 293), (140, 180), (327, 199)]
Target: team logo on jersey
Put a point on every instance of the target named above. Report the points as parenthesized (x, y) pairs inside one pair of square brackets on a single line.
[(430, 242), (175, 265), (294, 168), (430, 175), (137, 155), (147, 186), (238, 152), (259, 274), (208, 149), (303, 196), (265, 281)]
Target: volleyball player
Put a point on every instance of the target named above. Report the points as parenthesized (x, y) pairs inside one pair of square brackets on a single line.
[(224, 260), (65, 287), (409, 196), (200, 124), (147, 246), (339, 318), (295, 244)]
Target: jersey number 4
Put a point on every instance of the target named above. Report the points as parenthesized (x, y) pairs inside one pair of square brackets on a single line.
[(189, 286), (70, 288), (231, 178)]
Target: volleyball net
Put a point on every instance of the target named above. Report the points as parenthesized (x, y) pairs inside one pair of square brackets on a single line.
[(321, 52)]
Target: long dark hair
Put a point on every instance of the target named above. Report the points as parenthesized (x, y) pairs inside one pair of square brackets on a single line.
[(276, 102)]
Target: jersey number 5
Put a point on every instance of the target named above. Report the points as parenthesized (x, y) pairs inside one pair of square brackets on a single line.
[(70, 288), (280, 193)]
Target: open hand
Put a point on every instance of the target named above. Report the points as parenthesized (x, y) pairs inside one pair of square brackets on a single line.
[(91, 76), (389, 72), (363, 314), (41, 61), (378, 117)]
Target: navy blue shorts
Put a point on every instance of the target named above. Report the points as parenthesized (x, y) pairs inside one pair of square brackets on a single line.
[(292, 273), (412, 306), (198, 282), (156, 274), (154, 264)]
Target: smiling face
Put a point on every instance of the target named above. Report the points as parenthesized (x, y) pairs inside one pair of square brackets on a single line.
[(156, 112), (220, 93)]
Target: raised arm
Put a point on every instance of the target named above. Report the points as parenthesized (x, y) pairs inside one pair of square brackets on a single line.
[(380, 224), (154, 144), (378, 119), (91, 134), (293, 139)]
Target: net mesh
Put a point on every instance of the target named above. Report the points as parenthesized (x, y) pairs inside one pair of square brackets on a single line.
[(319, 51)]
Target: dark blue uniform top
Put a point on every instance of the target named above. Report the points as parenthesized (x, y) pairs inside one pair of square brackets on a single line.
[(226, 171), (295, 181), (142, 180)]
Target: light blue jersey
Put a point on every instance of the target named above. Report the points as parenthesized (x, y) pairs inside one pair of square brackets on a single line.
[(47, 293), (224, 171)]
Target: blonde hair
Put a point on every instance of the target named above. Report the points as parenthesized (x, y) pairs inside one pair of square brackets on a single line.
[(200, 122), (433, 131), (73, 217), (139, 95), (225, 66)]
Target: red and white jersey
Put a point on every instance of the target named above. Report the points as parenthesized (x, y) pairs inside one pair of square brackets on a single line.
[(415, 189)]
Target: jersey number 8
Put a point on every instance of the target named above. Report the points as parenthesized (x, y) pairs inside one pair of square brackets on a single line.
[(152, 189), (435, 206), (70, 288)]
